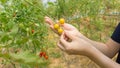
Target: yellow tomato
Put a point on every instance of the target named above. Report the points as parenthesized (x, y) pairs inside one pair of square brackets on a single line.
[(56, 26), (62, 21), (60, 30)]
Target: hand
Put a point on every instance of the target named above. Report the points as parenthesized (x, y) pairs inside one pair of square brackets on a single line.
[(65, 26), (74, 32), (77, 46)]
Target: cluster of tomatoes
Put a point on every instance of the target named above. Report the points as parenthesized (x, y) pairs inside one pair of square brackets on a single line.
[(43, 54), (57, 26)]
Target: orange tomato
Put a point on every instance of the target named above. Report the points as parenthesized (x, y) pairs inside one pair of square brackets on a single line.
[(46, 57)]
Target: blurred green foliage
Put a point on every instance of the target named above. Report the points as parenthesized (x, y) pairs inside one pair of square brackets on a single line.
[(19, 18)]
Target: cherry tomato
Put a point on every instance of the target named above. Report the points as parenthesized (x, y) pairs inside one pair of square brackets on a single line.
[(33, 31), (44, 54), (41, 54), (46, 57), (62, 21), (60, 30), (56, 26)]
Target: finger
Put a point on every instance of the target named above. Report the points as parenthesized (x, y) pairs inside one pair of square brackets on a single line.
[(60, 46), (63, 41), (49, 21), (65, 37), (70, 35)]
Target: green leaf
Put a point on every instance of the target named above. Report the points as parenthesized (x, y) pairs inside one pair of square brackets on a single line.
[(3, 1), (28, 58), (50, 3), (5, 38), (6, 55), (14, 29)]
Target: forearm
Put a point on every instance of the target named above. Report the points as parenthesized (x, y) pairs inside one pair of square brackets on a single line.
[(105, 48), (101, 47), (102, 60)]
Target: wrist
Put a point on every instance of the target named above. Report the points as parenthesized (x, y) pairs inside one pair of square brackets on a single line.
[(90, 51), (87, 51), (100, 59)]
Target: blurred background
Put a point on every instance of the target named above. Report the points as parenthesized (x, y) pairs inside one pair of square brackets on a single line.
[(24, 34)]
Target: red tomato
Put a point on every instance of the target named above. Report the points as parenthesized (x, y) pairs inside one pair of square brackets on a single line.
[(33, 31), (44, 54), (46, 57), (41, 54)]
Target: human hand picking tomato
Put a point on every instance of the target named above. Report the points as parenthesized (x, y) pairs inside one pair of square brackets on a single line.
[(77, 46), (65, 26), (99, 52)]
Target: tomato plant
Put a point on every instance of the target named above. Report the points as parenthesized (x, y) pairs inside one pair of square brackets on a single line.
[(22, 31), (25, 38)]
